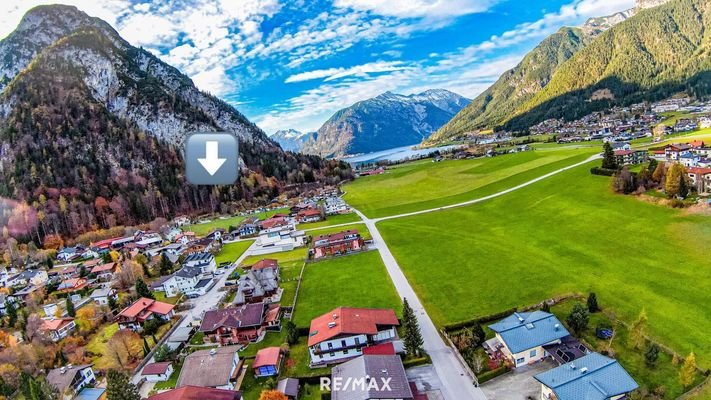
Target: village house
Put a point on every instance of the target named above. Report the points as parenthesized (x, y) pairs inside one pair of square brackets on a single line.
[(674, 151), (343, 333), (67, 254), (197, 393), (203, 260), (157, 371), (700, 179), (102, 295), (336, 205), (378, 369), (187, 280), (70, 380), (142, 310), (34, 277), (241, 324), (267, 362), (289, 387), (337, 244), (278, 237), (309, 215), (260, 281), (214, 368), (105, 272), (630, 157), (520, 337), (248, 228), (593, 376), (57, 329), (72, 285)]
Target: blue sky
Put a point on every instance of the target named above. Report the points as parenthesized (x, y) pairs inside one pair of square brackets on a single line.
[(293, 63)]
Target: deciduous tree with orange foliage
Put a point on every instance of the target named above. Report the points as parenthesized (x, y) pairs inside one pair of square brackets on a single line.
[(272, 395)]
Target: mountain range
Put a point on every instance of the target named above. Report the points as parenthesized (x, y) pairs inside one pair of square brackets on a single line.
[(292, 139), (569, 73), (91, 129), (384, 122)]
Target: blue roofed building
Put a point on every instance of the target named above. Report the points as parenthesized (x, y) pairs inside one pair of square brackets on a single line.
[(592, 377), (520, 337)]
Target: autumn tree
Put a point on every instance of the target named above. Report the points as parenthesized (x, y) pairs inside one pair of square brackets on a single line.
[(659, 173), (638, 331), (88, 318), (677, 181), (271, 395), (124, 348), (688, 371)]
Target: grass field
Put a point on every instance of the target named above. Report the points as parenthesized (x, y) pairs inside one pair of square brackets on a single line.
[(568, 233), (423, 185), (357, 280), (331, 220), (97, 346), (232, 251), (362, 229)]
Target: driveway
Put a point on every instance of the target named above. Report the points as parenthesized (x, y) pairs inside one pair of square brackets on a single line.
[(427, 381), (518, 384)]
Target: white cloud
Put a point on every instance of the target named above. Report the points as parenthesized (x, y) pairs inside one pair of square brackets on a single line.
[(337, 73), (215, 81), (418, 8), (148, 29)]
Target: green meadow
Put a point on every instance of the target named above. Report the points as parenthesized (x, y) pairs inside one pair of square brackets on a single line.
[(424, 185), (568, 233), (230, 252), (357, 280)]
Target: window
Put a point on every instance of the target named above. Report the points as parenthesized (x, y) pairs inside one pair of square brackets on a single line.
[(357, 341), (345, 351), (343, 343), (332, 354), (520, 360), (330, 345), (532, 353)]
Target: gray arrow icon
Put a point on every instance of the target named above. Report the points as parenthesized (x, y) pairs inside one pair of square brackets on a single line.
[(211, 158)]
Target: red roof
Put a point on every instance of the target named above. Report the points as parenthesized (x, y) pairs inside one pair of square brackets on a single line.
[(624, 152), (54, 324), (336, 237), (309, 212), (197, 393), (144, 305), (105, 243), (267, 356), (265, 263), (157, 368), (103, 268), (350, 321), (699, 171), (383, 349), (697, 143)]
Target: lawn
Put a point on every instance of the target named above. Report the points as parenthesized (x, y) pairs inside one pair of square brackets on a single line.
[(423, 185), (172, 380), (232, 251), (357, 280), (362, 229), (331, 220), (568, 233), (97, 346), (160, 296), (663, 374)]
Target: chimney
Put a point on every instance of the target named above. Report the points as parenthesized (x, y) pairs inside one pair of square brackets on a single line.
[(583, 370)]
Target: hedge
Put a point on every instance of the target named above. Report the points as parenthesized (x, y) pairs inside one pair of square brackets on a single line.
[(414, 362), (489, 375), (487, 318), (602, 171)]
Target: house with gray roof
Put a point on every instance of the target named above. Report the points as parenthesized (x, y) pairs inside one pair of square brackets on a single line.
[(214, 368), (521, 336), (187, 280), (69, 380), (385, 374), (257, 284), (592, 377)]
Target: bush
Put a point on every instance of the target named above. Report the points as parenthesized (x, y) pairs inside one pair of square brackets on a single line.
[(414, 362), (489, 375)]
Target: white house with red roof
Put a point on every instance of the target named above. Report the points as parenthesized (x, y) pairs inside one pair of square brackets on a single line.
[(57, 328), (337, 244), (133, 316), (700, 178), (343, 333), (158, 371)]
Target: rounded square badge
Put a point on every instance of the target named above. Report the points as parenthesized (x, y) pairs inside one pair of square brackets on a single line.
[(211, 158)]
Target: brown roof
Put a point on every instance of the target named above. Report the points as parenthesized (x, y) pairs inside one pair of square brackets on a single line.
[(103, 268), (350, 321), (208, 368), (197, 393), (244, 316), (267, 356), (265, 263), (157, 368)]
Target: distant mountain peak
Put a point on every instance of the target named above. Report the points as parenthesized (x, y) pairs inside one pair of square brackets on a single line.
[(386, 121)]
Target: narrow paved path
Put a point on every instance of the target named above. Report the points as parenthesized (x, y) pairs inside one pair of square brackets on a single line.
[(457, 384)]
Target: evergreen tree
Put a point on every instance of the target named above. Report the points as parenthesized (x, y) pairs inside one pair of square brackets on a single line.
[(106, 258), (592, 303), (479, 333), (82, 271), (142, 289), (70, 308), (292, 334), (36, 388), (608, 159), (112, 303), (11, 312), (413, 337), (652, 354), (165, 265), (118, 387), (578, 318)]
